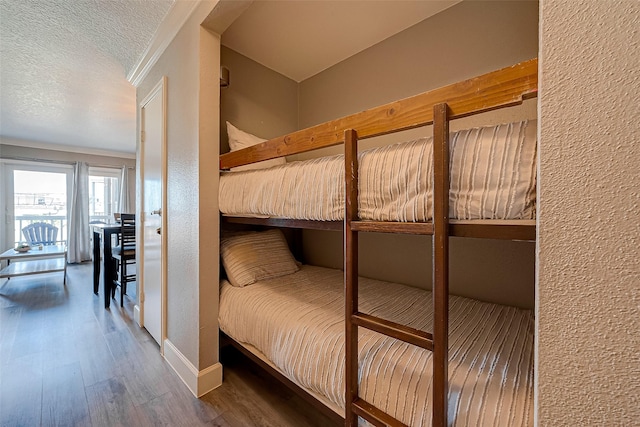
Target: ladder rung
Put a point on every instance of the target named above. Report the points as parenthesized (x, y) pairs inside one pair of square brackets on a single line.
[(374, 415), (395, 330), (425, 228), (494, 231)]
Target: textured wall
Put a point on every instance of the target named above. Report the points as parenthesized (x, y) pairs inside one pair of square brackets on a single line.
[(588, 333), (180, 64), (209, 213), (188, 279)]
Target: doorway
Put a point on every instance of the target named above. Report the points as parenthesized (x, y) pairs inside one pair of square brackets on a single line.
[(36, 193), (152, 235)]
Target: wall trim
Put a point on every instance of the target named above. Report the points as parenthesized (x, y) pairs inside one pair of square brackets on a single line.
[(66, 148), (176, 17), (136, 316), (199, 382)]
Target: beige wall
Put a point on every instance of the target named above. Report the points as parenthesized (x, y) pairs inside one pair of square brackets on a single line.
[(192, 214), (258, 100), (588, 316), (465, 40), (208, 211), (587, 295), (588, 276)]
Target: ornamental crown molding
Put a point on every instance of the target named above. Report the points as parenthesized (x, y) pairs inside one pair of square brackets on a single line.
[(176, 17)]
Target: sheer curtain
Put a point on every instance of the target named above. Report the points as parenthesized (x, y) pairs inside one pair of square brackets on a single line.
[(79, 238), (124, 204)]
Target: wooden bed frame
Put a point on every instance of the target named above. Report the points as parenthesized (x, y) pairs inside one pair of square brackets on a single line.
[(503, 88)]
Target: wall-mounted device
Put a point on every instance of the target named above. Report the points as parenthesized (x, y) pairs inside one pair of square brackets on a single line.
[(224, 77)]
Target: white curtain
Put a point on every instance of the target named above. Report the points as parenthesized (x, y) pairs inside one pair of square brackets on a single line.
[(79, 238), (124, 204)]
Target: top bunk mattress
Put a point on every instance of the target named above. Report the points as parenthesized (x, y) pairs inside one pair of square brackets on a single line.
[(492, 176)]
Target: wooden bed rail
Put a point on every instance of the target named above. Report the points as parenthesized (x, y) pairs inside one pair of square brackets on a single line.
[(520, 232), (502, 88)]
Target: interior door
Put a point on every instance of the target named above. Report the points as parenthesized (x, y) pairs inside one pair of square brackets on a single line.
[(152, 299)]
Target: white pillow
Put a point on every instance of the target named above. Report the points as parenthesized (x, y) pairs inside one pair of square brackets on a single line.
[(239, 139), (248, 258)]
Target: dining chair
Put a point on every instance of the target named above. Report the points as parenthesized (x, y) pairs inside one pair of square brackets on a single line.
[(125, 254), (40, 233)]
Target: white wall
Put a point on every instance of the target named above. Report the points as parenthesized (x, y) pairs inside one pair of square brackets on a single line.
[(588, 291)]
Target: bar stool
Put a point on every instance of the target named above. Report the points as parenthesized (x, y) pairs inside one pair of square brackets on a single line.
[(125, 254)]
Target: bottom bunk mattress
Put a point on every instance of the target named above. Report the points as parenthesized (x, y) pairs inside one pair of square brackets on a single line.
[(296, 321)]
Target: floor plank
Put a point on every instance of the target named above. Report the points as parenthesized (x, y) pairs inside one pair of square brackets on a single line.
[(21, 391), (110, 404), (63, 397), (65, 360), (249, 396), (97, 362)]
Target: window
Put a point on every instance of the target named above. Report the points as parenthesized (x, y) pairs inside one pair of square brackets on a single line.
[(34, 192), (104, 191)]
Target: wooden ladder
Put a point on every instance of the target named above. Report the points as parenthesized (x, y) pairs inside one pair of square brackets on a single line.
[(437, 342)]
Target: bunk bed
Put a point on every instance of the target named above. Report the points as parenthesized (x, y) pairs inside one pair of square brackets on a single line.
[(502, 88)]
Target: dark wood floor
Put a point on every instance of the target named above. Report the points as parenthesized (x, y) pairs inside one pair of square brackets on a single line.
[(65, 360)]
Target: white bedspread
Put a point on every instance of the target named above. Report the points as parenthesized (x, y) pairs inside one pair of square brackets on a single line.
[(493, 176), (296, 321)]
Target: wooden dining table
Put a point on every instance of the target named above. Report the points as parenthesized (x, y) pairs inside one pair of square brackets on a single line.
[(103, 235)]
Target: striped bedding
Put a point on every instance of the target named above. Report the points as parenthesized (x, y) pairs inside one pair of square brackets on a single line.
[(296, 321), (493, 176)]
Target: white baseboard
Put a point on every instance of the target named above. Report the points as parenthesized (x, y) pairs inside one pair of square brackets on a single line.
[(199, 382), (136, 315)]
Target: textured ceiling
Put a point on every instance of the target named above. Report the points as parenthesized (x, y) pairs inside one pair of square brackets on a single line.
[(63, 65)]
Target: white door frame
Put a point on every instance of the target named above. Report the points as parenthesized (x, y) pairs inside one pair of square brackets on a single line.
[(160, 87)]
